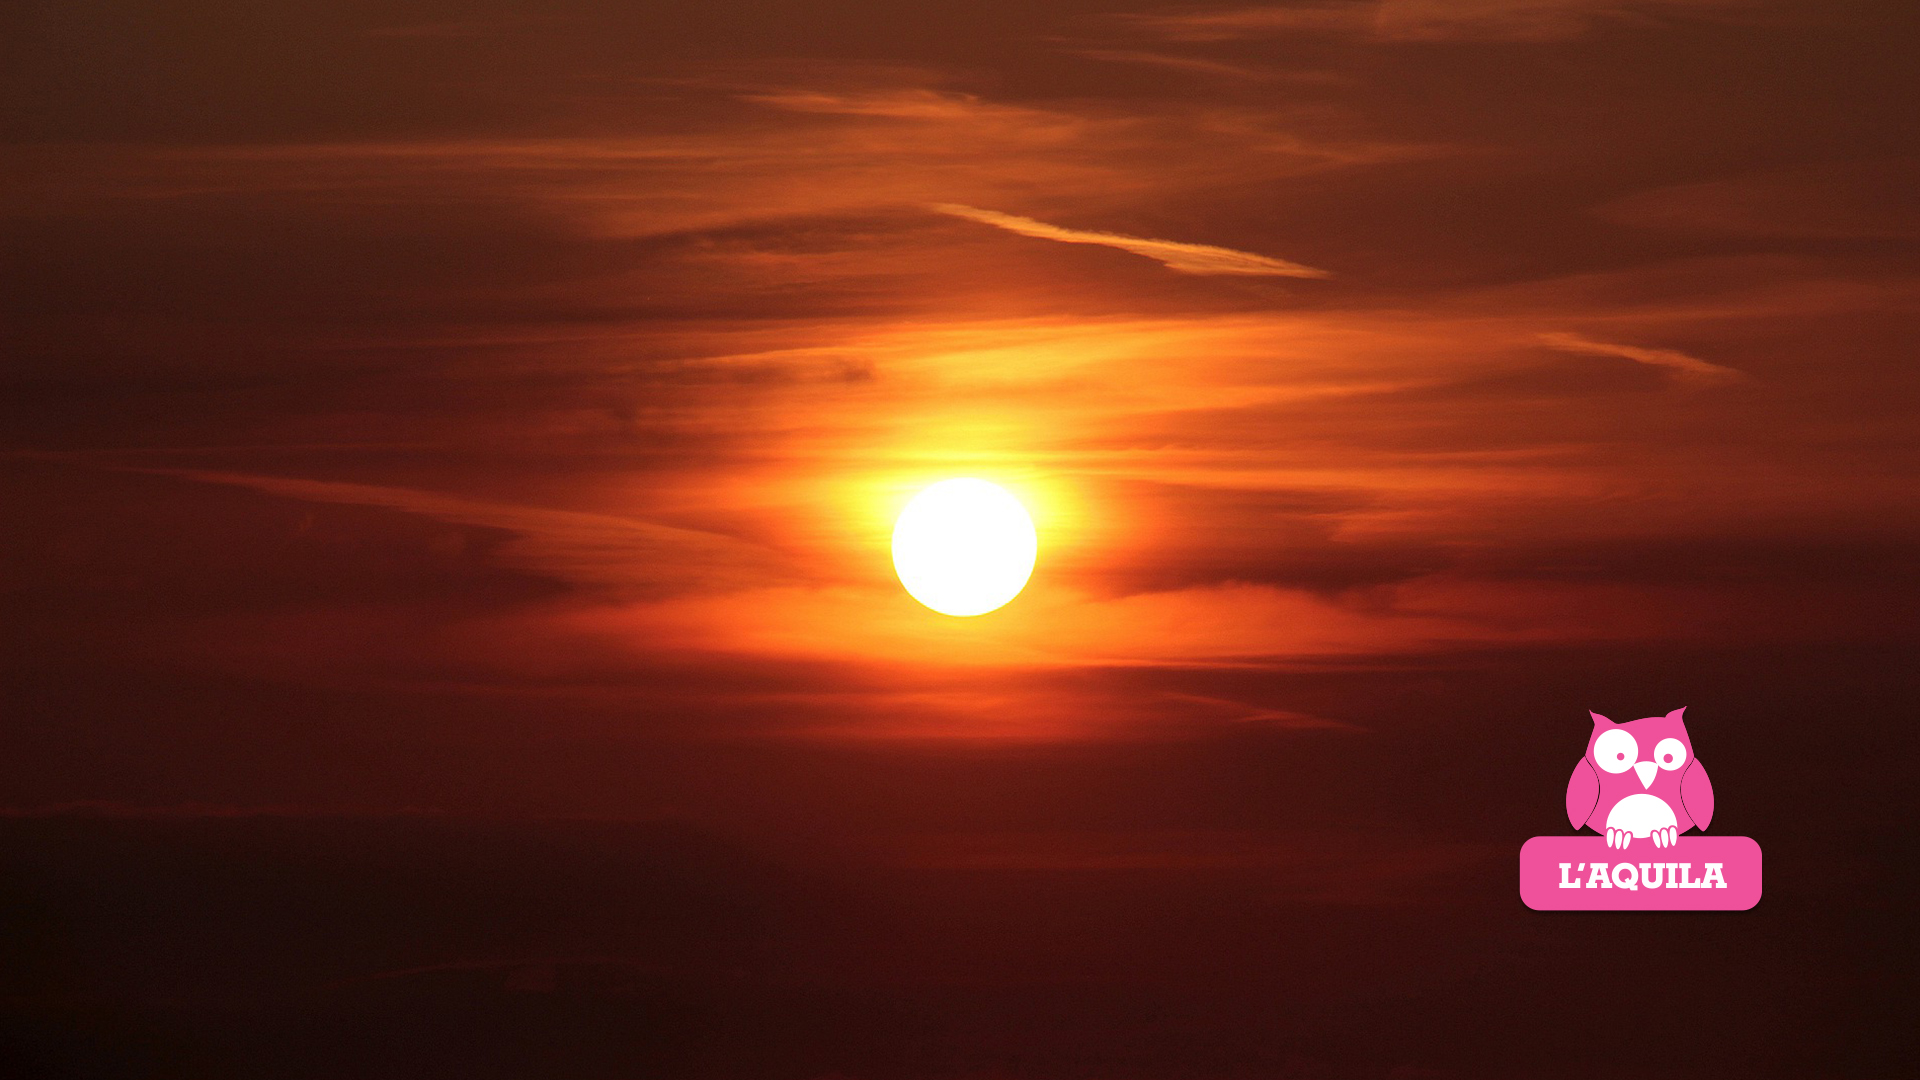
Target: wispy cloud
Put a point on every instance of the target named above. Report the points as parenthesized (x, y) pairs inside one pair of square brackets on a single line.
[(1231, 23), (606, 551), (1240, 712), (1848, 200), (903, 103), (1173, 254), (1191, 64), (1680, 363), (1414, 20)]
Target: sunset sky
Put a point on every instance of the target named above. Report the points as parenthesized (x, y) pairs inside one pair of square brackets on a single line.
[(448, 453)]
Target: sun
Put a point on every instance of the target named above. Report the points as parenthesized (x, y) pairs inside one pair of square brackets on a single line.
[(964, 547)]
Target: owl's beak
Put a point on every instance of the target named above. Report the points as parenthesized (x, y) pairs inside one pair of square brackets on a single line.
[(1645, 770)]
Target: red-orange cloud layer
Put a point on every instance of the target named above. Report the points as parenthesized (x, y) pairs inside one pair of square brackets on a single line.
[(681, 357)]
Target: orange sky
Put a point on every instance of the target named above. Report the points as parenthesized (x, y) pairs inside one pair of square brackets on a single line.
[(1325, 330)]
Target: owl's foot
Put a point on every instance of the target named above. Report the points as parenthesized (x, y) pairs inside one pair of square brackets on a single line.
[(1618, 838), (1667, 837)]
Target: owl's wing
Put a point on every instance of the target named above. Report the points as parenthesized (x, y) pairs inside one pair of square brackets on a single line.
[(1696, 794), (1583, 793)]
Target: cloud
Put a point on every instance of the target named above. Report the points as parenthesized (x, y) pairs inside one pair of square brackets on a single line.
[(1414, 20), (1849, 200), (1173, 254), (1232, 23), (829, 152), (906, 103), (1191, 64), (1245, 713), (1680, 363), (616, 553)]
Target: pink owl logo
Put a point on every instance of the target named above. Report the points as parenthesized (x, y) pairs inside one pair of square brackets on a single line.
[(1641, 788), (1640, 781)]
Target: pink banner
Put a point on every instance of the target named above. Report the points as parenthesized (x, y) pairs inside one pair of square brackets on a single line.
[(1694, 873)]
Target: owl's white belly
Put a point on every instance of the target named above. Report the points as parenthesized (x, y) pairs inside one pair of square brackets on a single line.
[(1641, 814)]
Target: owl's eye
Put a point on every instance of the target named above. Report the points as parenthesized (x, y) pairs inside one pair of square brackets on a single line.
[(1670, 753), (1615, 751)]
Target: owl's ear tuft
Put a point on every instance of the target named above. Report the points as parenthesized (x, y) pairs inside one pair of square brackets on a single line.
[(1675, 714), (1597, 718)]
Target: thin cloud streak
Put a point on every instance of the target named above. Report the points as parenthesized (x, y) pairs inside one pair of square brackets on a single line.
[(1680, 363), (600, 550), (1416, 20), (874, 153), (1190, 64), (1173, 254)]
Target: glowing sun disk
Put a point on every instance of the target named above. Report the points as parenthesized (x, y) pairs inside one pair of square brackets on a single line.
[(964, 547)]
